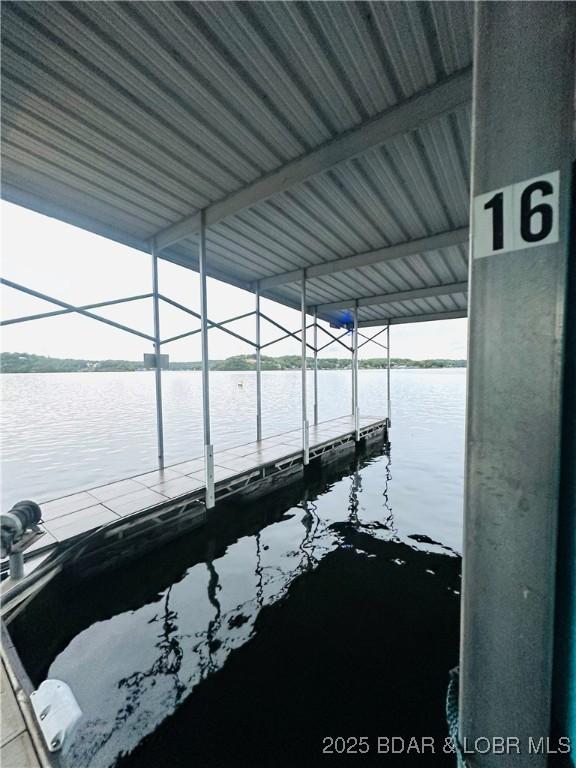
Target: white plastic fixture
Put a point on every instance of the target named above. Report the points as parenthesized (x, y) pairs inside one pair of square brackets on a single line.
[(57, 712)]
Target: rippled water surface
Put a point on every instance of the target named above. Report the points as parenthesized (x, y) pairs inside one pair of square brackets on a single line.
[(70, 431), (328, 609)]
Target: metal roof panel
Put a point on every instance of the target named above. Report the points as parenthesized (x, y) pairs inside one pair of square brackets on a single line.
[(127, 117)]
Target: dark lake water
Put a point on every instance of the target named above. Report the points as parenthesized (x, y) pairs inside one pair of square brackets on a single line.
[(329, 609)]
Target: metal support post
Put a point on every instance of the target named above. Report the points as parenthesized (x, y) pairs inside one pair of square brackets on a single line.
[(388, 376), (520, 266), (352, 379), (355, 411), (305, 426), (315, 366), (208, 448), (157, 349), (258, 370), (16, 564)]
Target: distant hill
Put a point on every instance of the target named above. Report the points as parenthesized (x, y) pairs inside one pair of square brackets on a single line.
[(22, 362)]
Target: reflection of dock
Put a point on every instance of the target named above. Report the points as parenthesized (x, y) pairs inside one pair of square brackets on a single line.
[(182, 649), (324, 161), (173, 498), (256, 468)]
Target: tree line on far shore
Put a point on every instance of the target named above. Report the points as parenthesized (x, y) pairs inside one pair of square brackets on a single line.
[(22, 362)]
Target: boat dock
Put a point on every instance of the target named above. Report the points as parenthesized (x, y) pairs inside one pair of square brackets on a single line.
[(367, 165), (173, 497)]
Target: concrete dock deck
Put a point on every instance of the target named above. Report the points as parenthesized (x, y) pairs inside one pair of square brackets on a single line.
[(235, 469)]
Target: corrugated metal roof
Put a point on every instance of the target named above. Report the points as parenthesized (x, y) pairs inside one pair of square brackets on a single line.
[(125, 118)]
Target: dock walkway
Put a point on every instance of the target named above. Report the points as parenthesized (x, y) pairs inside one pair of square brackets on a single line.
[(17, 750), (234, 469), (145, 500)]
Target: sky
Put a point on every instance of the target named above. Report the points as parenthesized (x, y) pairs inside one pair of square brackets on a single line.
[(78, 267)]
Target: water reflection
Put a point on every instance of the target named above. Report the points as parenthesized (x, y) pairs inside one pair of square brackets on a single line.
[(259, 572), (389, 519), (168, 664), (355, 489), (311, 522), (212, 642), (175, 626)]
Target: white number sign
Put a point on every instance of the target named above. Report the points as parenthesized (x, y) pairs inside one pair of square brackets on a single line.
[(521, 215)]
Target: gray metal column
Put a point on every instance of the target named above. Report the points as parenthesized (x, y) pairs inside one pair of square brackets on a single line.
[(523, 102), (389, 402), (208, 449), (315, 366), (353, 380), (305, 426), (157, 349), (258, 370), (16, 565), (355, 411)]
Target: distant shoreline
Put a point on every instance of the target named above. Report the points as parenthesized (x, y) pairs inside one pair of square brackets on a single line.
[(22, 362)]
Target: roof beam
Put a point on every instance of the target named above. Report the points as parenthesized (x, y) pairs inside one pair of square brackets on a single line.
[(399, 251), (414, 318), (445, 96), (388, 298)]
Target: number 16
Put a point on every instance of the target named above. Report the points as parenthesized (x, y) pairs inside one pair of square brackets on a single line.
[(519, 216)]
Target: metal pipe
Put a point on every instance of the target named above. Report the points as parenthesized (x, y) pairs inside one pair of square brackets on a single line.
[(181, 336), (275, 341), (57, 312), (368, 341), (258, 370), (179, 306), (197, 315), (372, 338), (388, 376), (72, 308), (208, 448), (305, 428), (355, 410), (352, 370), (329, 343), (158, 369), (16, 564), (315, 366), (336, 338), (211, 323), (286, 336), (288, 333)]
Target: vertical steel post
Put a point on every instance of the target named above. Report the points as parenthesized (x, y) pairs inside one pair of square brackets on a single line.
[(16, 564), (564, 703), (389, 402), (315, 366), (352, 380), (157, 349), (520, 265), (208, 448), (305, 426), (355, 411), (258, 370)]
